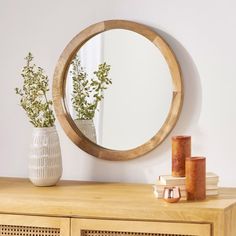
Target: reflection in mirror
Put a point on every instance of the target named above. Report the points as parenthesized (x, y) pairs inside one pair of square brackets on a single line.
[(128, 89)]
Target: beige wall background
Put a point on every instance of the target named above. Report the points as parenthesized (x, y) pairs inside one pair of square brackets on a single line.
[(202, 34)]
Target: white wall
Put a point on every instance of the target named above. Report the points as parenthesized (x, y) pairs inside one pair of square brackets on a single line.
[(202, 33)]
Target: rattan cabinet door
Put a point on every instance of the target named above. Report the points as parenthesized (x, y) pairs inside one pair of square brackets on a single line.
[(20, 225), (87, 227)]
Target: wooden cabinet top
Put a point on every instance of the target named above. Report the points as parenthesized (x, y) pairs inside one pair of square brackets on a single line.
[(105, 201)]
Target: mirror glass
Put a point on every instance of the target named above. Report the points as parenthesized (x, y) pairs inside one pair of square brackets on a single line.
[(132, 91)]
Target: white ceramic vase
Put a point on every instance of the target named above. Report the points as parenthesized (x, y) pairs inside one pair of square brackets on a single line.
[(87, 128), (45, 163)]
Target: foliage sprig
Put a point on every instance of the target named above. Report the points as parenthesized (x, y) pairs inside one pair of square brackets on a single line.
[(34, 95), (87, 93)]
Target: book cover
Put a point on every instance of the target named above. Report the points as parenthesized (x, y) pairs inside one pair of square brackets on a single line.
[(160, 186), (211, 179), (209, 192)]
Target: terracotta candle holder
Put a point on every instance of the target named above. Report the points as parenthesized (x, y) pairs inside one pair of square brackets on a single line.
[(181, 148), (196, 178)]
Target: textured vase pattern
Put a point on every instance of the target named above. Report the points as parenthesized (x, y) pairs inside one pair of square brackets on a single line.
[(45, 163), (87, 128)]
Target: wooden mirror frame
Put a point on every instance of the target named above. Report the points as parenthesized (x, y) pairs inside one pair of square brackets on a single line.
[(59, 83)]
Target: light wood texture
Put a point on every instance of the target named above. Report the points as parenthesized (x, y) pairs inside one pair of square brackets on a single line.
[(115, 202), (139, 227), (34, 226), (59, 82)]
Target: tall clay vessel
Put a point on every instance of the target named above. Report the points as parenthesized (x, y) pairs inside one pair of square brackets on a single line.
[(45, 163), (181, 148), (196, 178)]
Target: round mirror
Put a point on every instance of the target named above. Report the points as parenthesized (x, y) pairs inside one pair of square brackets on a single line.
[(117, 90)]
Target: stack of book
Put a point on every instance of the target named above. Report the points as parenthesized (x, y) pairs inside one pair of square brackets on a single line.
[(170, 181)]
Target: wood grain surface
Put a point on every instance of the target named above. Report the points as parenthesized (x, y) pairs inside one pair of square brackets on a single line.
[(115, 201)]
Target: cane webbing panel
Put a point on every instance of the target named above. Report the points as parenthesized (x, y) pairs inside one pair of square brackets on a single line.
[(118, 233), (15, 230)]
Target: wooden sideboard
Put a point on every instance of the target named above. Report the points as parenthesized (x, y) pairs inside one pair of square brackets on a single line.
[(75, 208)]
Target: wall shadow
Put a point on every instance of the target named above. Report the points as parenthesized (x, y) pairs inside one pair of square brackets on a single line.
[(143, 169), (192, 104)]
